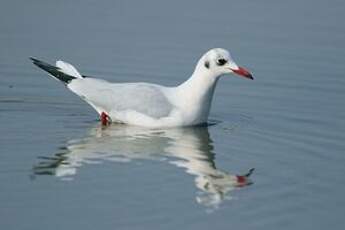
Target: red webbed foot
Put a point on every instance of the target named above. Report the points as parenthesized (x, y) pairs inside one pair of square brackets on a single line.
[(105, 119)]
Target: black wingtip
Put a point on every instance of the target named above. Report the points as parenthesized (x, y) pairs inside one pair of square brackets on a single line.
[(34, 59), (37, 62), (53, 70)]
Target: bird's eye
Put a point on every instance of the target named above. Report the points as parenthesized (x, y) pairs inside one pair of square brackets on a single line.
[(221, 61)]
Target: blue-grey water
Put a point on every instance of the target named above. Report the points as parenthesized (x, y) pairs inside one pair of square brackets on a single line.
[(59, 169)]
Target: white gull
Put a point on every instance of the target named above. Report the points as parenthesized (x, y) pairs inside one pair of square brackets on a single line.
[(151, 105)]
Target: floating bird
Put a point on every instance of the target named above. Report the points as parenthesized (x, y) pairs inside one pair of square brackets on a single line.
[(151, 105)]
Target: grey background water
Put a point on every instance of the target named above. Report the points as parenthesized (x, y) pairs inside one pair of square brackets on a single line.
[(59, 169)]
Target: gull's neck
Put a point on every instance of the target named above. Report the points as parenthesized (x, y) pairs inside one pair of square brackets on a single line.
[(199, 84), (196, 93)]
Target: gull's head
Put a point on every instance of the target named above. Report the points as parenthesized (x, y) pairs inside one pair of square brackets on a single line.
[(218, 62)]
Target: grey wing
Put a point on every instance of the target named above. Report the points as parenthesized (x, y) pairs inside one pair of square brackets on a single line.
[(144, 98)]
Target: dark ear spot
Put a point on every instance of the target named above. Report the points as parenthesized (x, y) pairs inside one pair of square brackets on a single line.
[(207, 64)]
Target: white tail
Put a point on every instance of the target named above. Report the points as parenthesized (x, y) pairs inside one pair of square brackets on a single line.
[(68, 69)]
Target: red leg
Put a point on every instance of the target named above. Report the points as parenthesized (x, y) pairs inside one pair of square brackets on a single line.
[(243, 180), (105, 119)]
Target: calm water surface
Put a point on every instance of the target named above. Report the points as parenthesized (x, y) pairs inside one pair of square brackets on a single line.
[(60, 169)]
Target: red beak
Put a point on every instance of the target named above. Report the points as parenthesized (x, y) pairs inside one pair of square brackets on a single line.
[(243, 72)]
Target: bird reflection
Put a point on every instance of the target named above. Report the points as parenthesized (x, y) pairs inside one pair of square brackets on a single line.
[(188, 148)]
